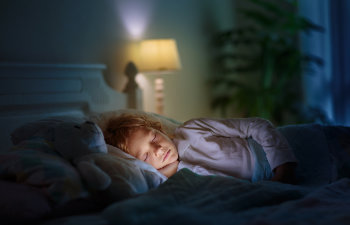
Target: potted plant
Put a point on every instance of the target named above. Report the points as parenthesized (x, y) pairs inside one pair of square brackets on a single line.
[(259, 66)]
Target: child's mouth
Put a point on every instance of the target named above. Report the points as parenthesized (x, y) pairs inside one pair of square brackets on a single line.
[(166, 155)]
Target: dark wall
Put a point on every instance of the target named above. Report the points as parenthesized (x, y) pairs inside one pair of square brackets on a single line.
[(73, 31)]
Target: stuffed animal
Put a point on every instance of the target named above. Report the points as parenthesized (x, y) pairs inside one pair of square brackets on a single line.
[(82, 143), (106, 169)]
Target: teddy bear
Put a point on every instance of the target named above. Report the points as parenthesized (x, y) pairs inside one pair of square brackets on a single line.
[(81, 143), (103, 167)]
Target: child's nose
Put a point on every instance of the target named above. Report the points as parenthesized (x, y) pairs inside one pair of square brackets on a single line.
[(159, 150)]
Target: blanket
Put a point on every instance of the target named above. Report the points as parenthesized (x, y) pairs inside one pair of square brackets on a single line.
[(323, 152), (188, 198)]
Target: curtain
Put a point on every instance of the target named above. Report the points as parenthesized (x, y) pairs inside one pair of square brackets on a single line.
[(340, 42)]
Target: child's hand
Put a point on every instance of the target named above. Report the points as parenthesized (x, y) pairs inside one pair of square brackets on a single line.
[(285, 173), (169, 169)]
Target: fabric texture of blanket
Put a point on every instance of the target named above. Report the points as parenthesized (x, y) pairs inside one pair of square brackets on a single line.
[(188, 198)]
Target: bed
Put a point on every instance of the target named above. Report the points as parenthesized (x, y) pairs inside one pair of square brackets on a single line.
[(39, 186)]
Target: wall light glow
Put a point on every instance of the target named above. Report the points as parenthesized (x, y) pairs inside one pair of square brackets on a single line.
[(135, 15)]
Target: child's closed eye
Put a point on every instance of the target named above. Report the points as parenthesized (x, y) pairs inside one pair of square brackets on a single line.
[(145, 157), (154, 137)]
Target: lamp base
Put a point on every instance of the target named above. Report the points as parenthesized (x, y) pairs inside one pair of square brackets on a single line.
[(159, 95)]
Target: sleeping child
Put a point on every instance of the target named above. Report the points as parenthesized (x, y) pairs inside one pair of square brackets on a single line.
[(248, 148)]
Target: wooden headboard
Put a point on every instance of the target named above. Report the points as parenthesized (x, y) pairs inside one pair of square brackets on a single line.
[(33, 91)]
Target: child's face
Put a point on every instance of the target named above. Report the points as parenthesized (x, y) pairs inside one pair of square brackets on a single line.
[(153, 147)]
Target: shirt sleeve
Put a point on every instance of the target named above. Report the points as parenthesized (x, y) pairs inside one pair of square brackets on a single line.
[(275, 145)]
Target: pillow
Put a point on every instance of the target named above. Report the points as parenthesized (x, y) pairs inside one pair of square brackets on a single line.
[(33, 162), (129, 175), (133, 162), (169, 125)]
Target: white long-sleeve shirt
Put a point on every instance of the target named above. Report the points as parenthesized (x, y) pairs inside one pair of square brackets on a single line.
[(220, 146)]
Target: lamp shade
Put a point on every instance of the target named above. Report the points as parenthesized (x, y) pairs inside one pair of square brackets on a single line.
[(159, 55)]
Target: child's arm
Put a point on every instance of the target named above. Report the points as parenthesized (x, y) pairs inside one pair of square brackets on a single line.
[(275, 145)]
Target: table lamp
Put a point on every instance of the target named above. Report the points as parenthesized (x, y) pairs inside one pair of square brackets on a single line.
[(159, 56)]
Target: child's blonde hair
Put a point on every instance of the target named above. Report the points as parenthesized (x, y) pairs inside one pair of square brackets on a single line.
[(118, 129)]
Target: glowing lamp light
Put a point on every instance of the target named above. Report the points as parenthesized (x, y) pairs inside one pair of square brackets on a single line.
[(135, 26), (159, 56), (135, 15)]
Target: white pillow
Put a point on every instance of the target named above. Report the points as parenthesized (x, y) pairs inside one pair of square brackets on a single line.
[(150, 175), (129, 176)]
